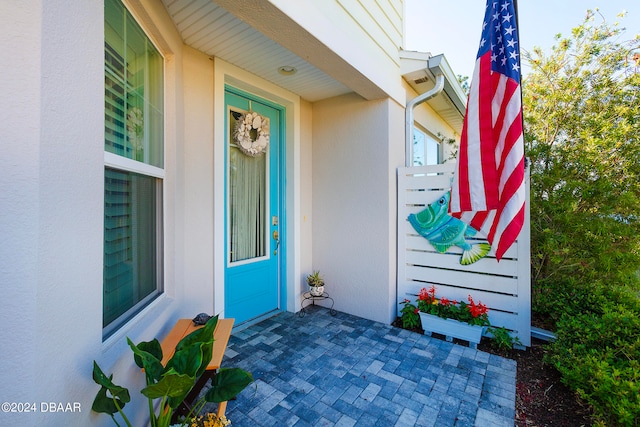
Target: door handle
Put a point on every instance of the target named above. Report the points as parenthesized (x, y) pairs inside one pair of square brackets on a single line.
[(276, 237)]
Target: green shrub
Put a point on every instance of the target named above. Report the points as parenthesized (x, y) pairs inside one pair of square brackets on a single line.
[(571, 296), (599, 357)]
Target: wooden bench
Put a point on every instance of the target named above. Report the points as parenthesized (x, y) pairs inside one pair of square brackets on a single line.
[(184, 327)]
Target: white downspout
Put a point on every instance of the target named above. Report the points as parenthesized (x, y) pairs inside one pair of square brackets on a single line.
[(408, 113)]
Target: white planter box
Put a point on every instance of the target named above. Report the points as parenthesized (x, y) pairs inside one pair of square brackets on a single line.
[(452, 329)]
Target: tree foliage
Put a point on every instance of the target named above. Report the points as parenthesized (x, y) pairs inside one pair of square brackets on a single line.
[(582, 136)]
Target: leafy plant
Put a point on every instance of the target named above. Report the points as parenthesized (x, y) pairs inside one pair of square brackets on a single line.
[(171, 383), (410, 317), (314, 279), (502, 339)]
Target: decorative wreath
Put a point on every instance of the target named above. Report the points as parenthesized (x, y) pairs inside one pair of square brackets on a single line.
[(251, 134)]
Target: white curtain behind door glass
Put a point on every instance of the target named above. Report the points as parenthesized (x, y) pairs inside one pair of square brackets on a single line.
[(247, 203)]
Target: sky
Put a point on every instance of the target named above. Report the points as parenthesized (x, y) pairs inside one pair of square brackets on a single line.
[(453, 27)]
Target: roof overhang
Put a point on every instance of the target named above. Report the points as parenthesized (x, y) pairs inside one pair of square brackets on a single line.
[(420, 69)]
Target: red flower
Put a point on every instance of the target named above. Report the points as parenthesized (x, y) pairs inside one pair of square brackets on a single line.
[(476, 309), (444, 301), (432, 291), (424, 295)]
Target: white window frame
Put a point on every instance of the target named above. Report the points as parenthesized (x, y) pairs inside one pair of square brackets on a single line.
[(428, 136), (124, 164)]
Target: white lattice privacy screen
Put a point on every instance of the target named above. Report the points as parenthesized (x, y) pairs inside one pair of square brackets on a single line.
[(505, 286)]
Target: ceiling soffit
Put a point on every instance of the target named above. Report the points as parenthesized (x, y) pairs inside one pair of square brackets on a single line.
[(246, 38)]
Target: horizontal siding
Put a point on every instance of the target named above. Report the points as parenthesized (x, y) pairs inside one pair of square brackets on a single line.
[(380, 21), (503, 286), (393, 11)]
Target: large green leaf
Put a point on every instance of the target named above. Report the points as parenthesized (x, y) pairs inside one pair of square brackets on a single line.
[(102, 402), (203, 338), (204, 334), (152, 365), (207, 353), (187, 361), (115, 390), (227, 383), (172, 384), (99, 377), (151, 347)]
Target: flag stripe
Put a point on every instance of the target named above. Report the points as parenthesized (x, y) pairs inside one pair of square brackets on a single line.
[(488, 199), (505, 231)]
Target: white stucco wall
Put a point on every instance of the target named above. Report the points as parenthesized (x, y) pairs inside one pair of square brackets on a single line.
[(20, 106), (196, 189), (51, 220), (51, 215), (306, 196), (357, 146)]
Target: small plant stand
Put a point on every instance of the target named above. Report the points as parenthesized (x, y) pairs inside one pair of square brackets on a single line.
[(308, 299)]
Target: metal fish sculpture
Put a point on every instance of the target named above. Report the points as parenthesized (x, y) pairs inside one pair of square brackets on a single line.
[(443, 231)]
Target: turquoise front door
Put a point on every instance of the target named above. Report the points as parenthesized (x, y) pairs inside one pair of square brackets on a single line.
[(253, 218)]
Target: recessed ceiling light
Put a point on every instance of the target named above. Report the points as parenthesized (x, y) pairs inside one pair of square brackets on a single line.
[(287, 70)]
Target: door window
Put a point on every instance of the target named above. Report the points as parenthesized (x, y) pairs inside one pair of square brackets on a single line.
[(248, 201)]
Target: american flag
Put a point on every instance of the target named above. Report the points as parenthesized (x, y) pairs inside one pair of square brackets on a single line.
[(488, 189)]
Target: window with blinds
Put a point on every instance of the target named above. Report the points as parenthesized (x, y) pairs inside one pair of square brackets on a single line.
[(134, 94), (134, 130)]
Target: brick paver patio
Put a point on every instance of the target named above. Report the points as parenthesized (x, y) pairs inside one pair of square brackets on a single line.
[(323, 370)]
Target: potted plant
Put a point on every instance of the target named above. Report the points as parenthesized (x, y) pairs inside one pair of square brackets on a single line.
[(454, 319), (316, 283), (173, 382)]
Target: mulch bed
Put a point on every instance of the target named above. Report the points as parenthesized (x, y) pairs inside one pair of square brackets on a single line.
[(541, 398)]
